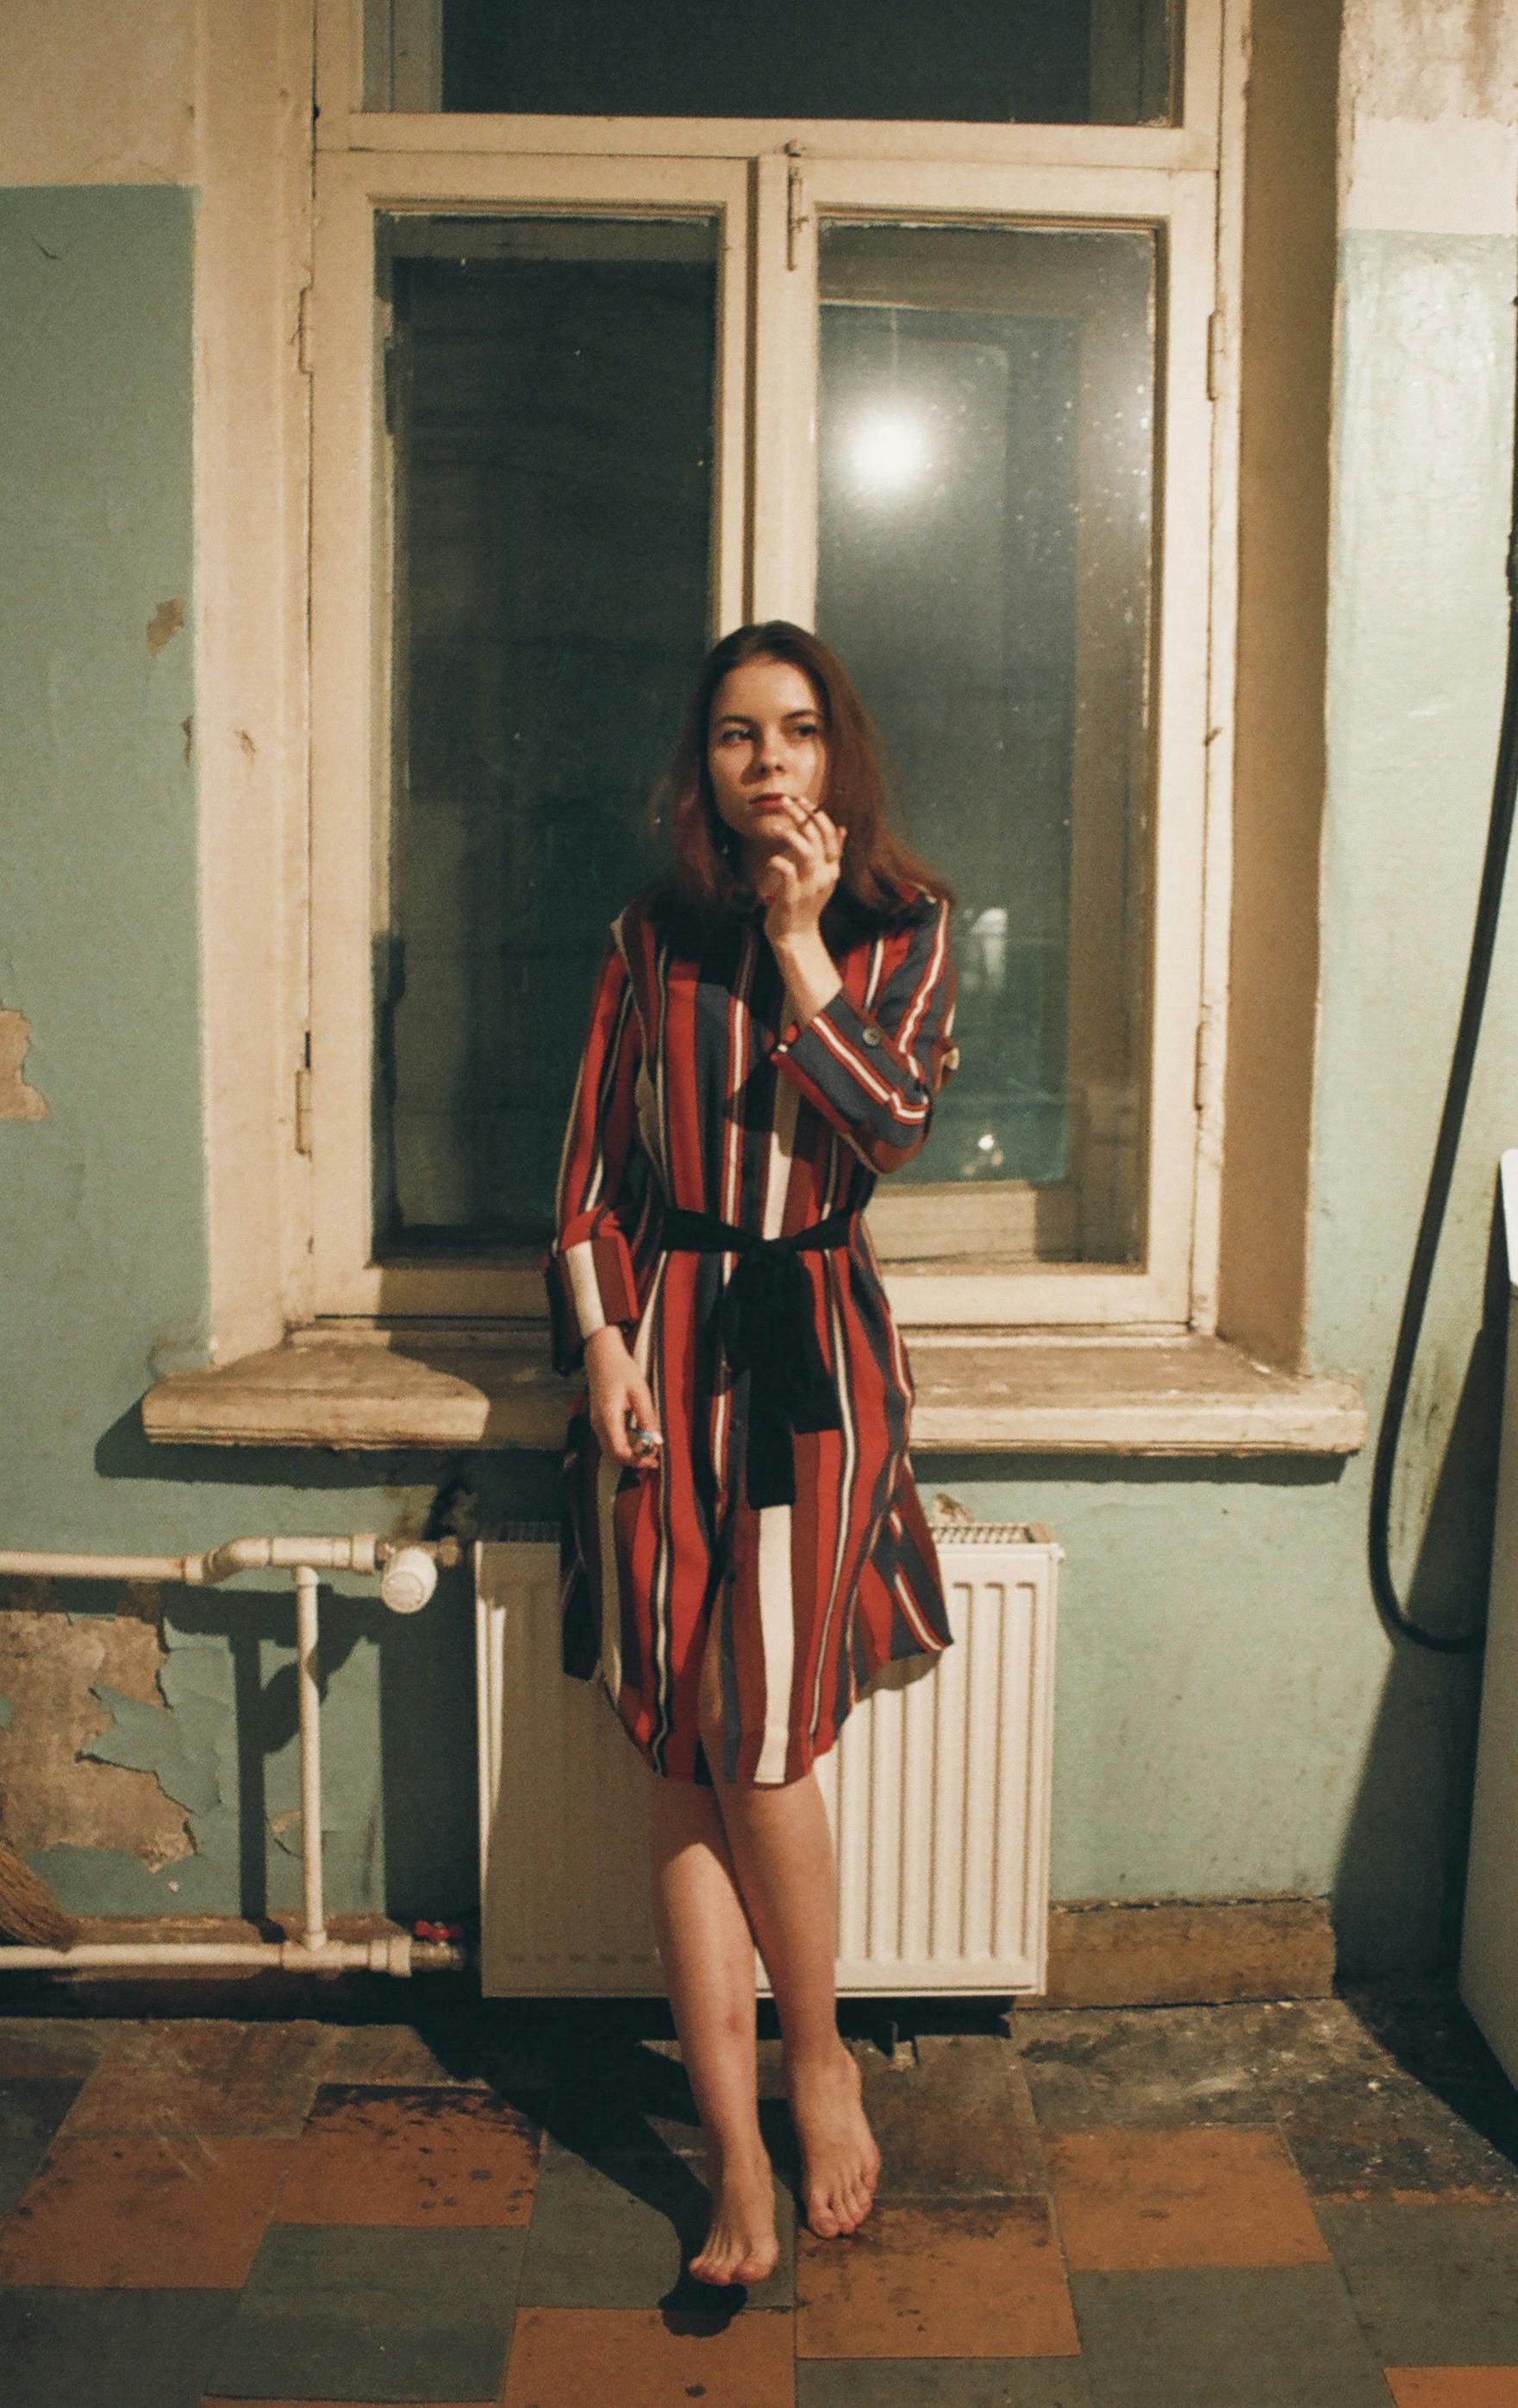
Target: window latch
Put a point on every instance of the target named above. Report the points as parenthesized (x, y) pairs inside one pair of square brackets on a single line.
[(796, 212), (1205, 1089), (303, 1101)]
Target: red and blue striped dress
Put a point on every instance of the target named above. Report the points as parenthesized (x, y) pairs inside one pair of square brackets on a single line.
[(691, 1091)]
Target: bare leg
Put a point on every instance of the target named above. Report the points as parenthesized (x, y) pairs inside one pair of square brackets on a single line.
[(782, 1847), (706, 1949)]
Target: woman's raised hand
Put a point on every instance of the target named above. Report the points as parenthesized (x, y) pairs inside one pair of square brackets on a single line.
[(619, 1388), (802, 871)]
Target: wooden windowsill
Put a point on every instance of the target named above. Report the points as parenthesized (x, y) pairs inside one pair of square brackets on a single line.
[(979, 1392)]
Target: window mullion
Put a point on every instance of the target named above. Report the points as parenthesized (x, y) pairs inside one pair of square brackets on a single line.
[(783, 535)]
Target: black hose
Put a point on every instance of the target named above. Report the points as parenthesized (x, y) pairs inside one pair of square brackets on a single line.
[(1399, 1622)]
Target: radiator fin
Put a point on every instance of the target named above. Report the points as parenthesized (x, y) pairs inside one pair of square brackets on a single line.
[(938, 1791)]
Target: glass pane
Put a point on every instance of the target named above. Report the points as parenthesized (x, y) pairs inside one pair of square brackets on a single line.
[(550, 394), (984, 61), (986, 463)]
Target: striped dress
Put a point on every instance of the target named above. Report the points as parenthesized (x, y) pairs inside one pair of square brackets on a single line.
[(691, 1090)]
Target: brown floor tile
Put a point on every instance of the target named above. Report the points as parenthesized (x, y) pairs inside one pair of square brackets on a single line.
[(1218, 2195), (168, 2077), (958, 2278), (1376, 2102), (144, 2214), (648, 2357), (952, 2121), (1386, 2137), (1095, 2066), (1453, 2387), (411, 2155)]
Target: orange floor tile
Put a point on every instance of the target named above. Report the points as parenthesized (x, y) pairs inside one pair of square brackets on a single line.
[(1453, 2386), (144, 2214), (979, 2278), (1130, 2201), (450, 2157), (650, 2357)]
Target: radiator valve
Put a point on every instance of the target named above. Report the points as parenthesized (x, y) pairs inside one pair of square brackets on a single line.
[(408, 1579)]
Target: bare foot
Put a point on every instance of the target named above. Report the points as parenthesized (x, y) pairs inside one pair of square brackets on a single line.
[(742, 2245), (839, 2161)]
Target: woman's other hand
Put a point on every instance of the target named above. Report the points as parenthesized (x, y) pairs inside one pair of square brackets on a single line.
[(801, 872), (618, 1389)]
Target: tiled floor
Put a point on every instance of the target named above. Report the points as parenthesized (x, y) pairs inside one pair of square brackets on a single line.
[(1289, 2206)]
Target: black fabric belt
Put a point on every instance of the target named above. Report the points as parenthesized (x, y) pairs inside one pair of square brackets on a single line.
[(766, 1323)]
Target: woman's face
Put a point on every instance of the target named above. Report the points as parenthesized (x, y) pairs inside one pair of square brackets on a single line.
[(764, 740)]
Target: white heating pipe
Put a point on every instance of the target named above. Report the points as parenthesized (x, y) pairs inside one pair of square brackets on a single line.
[(315, 1934), (409, 1575)]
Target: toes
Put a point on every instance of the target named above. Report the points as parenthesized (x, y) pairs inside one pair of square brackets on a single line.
[(860, 2200)]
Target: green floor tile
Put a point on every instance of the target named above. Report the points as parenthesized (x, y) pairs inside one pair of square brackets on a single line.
[(941, 2382), (618, 2233), (343, 2312), (58, 2047), (69, 2348), (1434, 2285), (1256, 2337), (31, 2110)]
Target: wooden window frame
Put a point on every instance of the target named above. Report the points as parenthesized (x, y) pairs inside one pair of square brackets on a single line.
[(769, 182)]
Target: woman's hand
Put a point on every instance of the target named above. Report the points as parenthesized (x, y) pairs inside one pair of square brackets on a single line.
[(619, 1388), (801, 873)]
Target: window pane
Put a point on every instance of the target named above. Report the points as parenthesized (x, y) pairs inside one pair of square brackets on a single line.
[(986, 465), (551, 401), (1040, 62)]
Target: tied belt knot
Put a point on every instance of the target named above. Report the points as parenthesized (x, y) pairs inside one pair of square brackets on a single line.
[(765, 1325)]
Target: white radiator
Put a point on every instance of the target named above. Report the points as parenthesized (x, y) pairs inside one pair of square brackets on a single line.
[(938, 1791)]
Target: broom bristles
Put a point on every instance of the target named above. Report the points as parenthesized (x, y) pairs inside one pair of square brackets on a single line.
[(29, 1912)]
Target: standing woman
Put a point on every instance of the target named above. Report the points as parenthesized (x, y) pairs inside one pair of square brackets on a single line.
[(743, 1542)]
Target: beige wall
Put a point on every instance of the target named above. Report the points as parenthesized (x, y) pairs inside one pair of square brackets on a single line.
[(98, 91)]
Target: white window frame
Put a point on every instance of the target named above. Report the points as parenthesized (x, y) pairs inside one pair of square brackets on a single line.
[(351, 619), (768, 183)]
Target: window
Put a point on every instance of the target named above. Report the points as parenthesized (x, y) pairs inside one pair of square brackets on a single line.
[(1038, 62), (589, 391)]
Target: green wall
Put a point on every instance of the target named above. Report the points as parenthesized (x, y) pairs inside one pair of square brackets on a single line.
[(101, 1215), (1230, 1719)]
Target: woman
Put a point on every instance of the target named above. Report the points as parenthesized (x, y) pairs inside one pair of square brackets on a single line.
[(744, 1544)]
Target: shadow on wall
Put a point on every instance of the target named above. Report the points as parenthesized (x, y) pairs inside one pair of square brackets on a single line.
[(1400, 1887)]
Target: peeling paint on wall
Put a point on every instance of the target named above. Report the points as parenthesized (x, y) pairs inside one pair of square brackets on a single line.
[(62, 1781), (1425, 58), (18, 1100), (165, 622)]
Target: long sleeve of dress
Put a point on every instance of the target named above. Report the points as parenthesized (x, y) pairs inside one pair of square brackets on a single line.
[(874, 1075), (588, 1266)]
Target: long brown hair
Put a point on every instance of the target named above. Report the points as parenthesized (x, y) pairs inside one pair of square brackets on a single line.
[(879, 880)]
